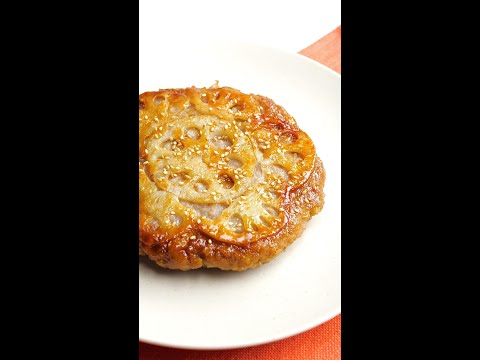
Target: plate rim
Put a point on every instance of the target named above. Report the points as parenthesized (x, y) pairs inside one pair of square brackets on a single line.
[(282, 336)]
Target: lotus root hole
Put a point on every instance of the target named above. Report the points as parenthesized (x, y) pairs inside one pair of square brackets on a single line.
[(258, 173), (236, 108), (221, 141), (193, 133), (280, 171), (295, 156), (201, 186), (179, 178), (271, 210), (235, 163), (172, 145), (288, 138), (226, 181), (210, 211), (241, 124), (158, 100), (174, 109)]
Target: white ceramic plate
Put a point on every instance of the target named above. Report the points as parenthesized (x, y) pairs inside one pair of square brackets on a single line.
[(300, 289)]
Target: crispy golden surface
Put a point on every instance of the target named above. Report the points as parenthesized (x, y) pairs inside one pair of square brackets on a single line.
[(227, 180)]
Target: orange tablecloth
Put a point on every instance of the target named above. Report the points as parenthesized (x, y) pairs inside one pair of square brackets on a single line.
[(327, 50), (322, 342)]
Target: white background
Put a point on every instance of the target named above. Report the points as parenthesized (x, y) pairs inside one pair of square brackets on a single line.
[(289, 25)]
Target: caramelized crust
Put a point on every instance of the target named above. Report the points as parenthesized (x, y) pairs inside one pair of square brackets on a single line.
[(227, 180)]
